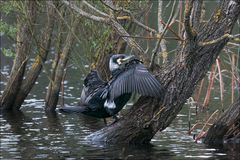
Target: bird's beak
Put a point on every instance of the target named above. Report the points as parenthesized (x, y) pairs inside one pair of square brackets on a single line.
[(128, 58)]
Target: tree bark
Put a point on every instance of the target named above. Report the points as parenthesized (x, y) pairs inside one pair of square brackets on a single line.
[(226, 128), (150, 115), (41, 57), (53, 91), (24, 43)]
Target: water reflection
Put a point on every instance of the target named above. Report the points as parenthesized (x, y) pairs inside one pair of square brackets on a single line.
[(36, 134), (53, 123)]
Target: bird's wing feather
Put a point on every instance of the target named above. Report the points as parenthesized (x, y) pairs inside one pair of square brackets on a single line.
[(93, 79), (136, 79), (92, 84)]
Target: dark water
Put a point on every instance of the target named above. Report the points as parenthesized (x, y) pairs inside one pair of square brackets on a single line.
[(33, 134)]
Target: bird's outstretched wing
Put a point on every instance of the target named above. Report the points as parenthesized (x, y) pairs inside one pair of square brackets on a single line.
[(92, 83), (135, 78), (93, 80)]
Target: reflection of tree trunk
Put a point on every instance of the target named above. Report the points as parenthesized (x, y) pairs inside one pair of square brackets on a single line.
[(53, 123), (226, 128), (36, 68), (53, 91), (150, 115), (24, 43)]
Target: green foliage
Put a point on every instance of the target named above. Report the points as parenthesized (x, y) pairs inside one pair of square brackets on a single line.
[(8, 52), (7, 29), (7, 7)]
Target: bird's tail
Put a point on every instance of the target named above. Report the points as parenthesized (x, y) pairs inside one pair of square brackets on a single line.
[(72, 109)]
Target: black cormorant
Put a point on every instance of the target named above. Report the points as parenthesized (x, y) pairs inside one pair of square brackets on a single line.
[(105, 99)]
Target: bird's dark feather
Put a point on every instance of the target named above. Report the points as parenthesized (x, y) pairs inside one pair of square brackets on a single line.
[(134, 77)]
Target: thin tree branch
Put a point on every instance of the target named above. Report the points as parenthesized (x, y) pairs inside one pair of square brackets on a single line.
[(155, 50), (85, 14), (95, 9), (114, 24), (109, 5), (168, 27), (163, 45), (142, 37), (233, 37)]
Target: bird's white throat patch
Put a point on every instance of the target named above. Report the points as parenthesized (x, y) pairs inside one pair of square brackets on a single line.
[(109, 104)]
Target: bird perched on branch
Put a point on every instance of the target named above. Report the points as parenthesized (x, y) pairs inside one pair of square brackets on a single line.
[(104, 99)]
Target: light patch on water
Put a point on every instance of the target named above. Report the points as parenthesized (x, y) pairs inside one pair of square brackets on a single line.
[(189, 156)]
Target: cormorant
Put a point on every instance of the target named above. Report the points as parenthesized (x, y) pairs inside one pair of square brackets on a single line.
[(105, 99)]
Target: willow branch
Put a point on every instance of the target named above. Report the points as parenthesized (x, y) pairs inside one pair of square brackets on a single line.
[(151, 38), (188, 28), (109, 5), (196, 13), (233, 37), (83, 13), (95, 9), (113, 23)]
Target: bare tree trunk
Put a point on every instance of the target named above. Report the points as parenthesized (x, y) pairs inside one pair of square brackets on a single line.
[(24, 43), (226, 128), (150, 115), (41, 57), (53, 91)]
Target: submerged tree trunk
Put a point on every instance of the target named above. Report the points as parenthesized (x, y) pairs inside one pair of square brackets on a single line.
[(54, 87), (24, 43), (150, 115), (226, 128), (41, 57)]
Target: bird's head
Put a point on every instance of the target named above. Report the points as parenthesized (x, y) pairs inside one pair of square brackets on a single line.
[(119, 59)]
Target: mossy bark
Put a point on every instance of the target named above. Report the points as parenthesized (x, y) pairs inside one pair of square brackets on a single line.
[(23, 48)]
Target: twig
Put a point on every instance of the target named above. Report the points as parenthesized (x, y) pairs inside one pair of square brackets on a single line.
[(200, 90), (221, 80), (202, 131), (196, 125), (168, 27), (83, 13), (131, 15), (233, 71), (155, 50), (227, 35), (142, 37), (95, 9), (211, 81)]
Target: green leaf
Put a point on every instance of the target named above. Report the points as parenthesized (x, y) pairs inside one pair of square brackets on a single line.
[(8, 52)]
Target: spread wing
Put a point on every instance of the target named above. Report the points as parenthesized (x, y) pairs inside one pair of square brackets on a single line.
[(92, 83), (93, 80), (135, 79)]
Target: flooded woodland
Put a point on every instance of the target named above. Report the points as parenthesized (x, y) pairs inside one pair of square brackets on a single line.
[(178, 92)]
